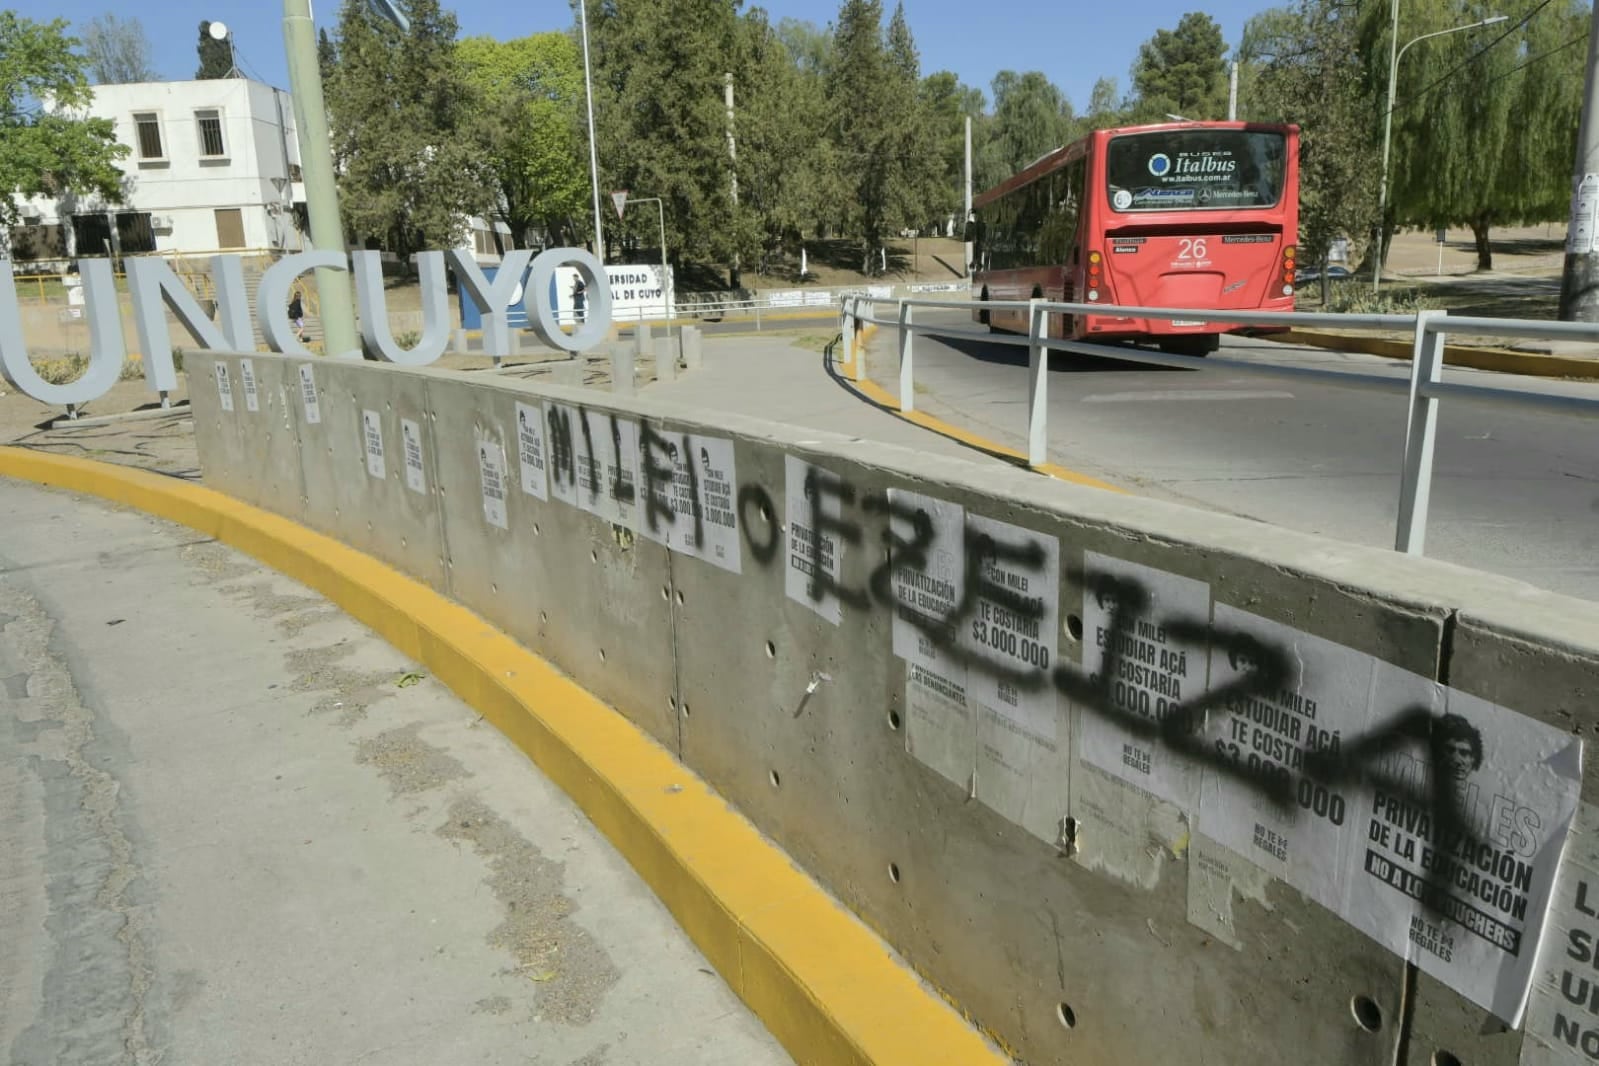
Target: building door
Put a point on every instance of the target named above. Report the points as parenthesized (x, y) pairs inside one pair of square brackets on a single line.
[(230, 227)]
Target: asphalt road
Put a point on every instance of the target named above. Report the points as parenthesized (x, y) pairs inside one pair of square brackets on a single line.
[(1515, 491)]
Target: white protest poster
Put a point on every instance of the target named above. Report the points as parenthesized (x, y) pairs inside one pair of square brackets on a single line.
[(1022, 776), (564, 428), (1264, 734), (252, 402), (313, 407), (531, 451), (1562, 1021), (940, 728), (372, 438), (411, 438), (224, 386), (814, 550), (1010, 623), (717, 482), (695, 506), (606, 456), (929, 579), (491, 471), (1141, 672), (1464, 832)]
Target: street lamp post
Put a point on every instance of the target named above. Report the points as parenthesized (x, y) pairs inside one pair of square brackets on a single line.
[(316, 168), (594, 157), (1394, 55)]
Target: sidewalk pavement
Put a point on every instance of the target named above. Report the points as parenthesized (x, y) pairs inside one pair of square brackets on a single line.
[(242, 829)]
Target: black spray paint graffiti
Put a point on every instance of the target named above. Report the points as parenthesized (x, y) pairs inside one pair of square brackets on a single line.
[(1334, 762), (1180, 726)]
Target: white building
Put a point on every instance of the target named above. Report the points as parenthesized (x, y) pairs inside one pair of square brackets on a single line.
[(212, 165)]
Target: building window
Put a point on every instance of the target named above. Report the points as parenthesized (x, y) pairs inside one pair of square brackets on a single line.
[(230, 227), (209, 124), (148, 126)]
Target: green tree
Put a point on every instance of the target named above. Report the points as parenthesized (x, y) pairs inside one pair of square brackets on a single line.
[(659, 71), (532, 93), (787, 168), (1182, 72), (1031, 118), (946, 103), (405, 130), (809, 44), (1483, 121), (44, 151), (216, 58), (874, 126), (1306, 69), (118, 50), (327, 56), (1104, 106)]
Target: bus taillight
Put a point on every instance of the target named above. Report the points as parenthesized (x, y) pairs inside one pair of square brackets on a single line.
[(1288, 270), (1095, 262)]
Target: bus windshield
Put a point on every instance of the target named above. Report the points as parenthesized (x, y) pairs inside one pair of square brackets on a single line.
[(1198, 169)]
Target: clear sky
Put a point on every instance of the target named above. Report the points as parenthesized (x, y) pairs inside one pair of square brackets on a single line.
[(1074, 43)]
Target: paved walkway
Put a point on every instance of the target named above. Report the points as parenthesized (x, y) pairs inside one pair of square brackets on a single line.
[(241, 829)]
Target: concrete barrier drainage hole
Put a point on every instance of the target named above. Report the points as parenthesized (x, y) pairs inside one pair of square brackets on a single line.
[(1065, 1015), (1367, 1014)]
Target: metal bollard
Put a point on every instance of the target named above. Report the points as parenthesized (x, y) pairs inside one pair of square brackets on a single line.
[(643, 341), (666, 359), (460, 341)]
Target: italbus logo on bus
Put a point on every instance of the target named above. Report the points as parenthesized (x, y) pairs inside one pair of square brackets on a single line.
[(156, 289)]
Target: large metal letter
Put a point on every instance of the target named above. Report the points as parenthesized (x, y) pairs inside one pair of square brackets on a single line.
[(106, 350), (272, 299), (155, 288), (375, 315), (493, 300), (596, 322)]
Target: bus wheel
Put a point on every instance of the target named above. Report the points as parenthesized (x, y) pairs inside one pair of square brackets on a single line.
[(982, 315), (1197, 345)]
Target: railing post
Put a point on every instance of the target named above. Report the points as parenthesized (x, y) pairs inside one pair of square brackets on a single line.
[(907, 387), (1415, 486), (847, 333), (1037, 385)]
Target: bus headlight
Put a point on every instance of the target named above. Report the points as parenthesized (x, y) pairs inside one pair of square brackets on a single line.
[(1288, 290), (1093, 295)]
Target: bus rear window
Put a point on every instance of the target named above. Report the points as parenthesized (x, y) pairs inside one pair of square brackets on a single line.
[(1195, 170)]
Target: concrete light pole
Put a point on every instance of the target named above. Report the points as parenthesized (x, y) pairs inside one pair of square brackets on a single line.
[(1579, 288), (316, 166), (594, 156), (1394, 55)]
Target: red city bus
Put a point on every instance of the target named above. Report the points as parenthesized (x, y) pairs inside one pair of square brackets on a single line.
[(1193, 214)]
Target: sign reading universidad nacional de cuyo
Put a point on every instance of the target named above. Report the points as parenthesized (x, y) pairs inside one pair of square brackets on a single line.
[(156, 290)]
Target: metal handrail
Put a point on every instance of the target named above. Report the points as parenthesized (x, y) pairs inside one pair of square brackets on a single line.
[(1424, 387)]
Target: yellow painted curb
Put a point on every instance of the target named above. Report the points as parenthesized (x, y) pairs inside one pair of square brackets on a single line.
[(1502, 360), (880, 397), (824, 985)]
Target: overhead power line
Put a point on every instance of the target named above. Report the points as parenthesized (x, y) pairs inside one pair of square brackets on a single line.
[(1457, 68)]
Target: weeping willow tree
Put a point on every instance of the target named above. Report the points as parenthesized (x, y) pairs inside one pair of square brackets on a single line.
[(1484, 121), (1304, 67)]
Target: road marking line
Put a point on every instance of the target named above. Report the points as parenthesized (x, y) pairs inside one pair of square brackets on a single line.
[(877, 395), (1186, 395), (794, 955)]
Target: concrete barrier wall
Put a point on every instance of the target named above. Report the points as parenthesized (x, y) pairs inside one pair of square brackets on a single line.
[(1131, 783)]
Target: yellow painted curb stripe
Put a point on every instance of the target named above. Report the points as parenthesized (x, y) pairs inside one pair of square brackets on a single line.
[(825, 986), (1502, 360), (876, 394)]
